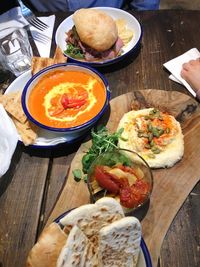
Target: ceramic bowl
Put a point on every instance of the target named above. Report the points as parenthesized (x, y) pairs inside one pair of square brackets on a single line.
[(49, 72)]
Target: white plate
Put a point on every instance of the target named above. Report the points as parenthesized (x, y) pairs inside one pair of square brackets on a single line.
[(45, 138), (144, 259), (132, 23)]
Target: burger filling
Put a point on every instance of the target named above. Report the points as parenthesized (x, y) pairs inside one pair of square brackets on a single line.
[(79, 50)]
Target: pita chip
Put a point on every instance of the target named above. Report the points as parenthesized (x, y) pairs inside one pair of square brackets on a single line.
[(12, 104), (39, 63), (27, 131), (59, 57)]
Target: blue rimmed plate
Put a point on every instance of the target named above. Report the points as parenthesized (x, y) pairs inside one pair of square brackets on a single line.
[(144, 259), (45, 139), (115, 13)]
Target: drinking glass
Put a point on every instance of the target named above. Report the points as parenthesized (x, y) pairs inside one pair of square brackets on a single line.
[(15, 50)]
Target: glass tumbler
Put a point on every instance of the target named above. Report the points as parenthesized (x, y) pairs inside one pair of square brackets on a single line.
[(15, 50)]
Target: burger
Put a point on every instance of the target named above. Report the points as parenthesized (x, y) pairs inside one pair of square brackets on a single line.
[(93, 37)]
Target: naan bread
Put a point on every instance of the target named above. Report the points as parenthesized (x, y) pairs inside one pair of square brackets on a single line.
[(95, 28), (119, 243), (167, 149), (48, 247), (91, 218), (78, 251)]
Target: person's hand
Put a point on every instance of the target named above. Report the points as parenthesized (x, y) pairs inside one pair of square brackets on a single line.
[(191, 73)]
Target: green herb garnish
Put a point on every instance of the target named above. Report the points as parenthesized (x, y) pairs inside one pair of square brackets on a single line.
[(74, 51), (77, 175), (102, 141)]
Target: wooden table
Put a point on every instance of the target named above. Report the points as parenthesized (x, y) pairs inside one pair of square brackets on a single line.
[(30, 188)]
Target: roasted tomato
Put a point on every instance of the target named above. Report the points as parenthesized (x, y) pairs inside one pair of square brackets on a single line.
[(134, 195), (105, 180)]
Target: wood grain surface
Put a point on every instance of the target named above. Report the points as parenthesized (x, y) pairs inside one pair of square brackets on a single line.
[(171, 186), (29, 190)]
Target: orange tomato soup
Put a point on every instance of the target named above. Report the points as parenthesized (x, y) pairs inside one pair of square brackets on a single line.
[(66, 98)]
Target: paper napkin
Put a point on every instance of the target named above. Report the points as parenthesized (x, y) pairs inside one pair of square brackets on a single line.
[(175, 66), (43, 39), (14, 18), (8, 140)]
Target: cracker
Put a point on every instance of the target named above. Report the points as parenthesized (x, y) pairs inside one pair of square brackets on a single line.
[(12, 104), (59, 57), (27, 131), (39, 63)]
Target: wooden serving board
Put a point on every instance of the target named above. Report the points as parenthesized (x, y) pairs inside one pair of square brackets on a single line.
[(171, 186)]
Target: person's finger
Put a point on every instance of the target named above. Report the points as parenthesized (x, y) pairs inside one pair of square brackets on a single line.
[(185, 66), (183, 73), (192, 62), (198, 95)]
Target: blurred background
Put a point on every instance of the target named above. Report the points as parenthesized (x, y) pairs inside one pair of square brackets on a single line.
[(180, 4)]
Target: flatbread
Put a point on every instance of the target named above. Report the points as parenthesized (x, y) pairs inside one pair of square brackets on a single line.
[(59, 57), (119, 243), (91, 218), (48, 247), (39, 63), (164, 150), (27, 131), (12, 104), (78, 251)]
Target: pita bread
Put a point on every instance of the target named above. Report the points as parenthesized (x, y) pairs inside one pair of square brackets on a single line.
[(91, 218), (119, 243), (12, 104), (46, 251), (95, 28), (78, 251)]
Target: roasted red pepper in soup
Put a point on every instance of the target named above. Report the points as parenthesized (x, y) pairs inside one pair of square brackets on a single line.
[(123, 181)]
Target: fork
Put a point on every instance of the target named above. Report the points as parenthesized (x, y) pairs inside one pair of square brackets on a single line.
[(31, 18)]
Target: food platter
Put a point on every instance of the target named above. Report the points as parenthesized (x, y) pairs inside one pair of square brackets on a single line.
[(132, 24), (172, 184), (45, 139), (144, 259)]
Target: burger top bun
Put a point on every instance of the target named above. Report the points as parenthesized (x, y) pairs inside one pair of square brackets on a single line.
[(95, 28)]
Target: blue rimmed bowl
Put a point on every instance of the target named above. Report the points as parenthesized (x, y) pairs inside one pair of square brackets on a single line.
[(79, 128)]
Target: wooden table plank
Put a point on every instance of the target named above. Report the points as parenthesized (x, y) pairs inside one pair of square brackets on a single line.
[(167, 34), (20, 208)]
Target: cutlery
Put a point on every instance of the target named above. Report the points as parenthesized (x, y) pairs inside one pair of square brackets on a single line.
[(37, 36), (31, 18)]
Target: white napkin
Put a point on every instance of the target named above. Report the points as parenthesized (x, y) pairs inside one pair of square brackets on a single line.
[(14, 18), (175, 66), (44, 46), (8, 140)]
